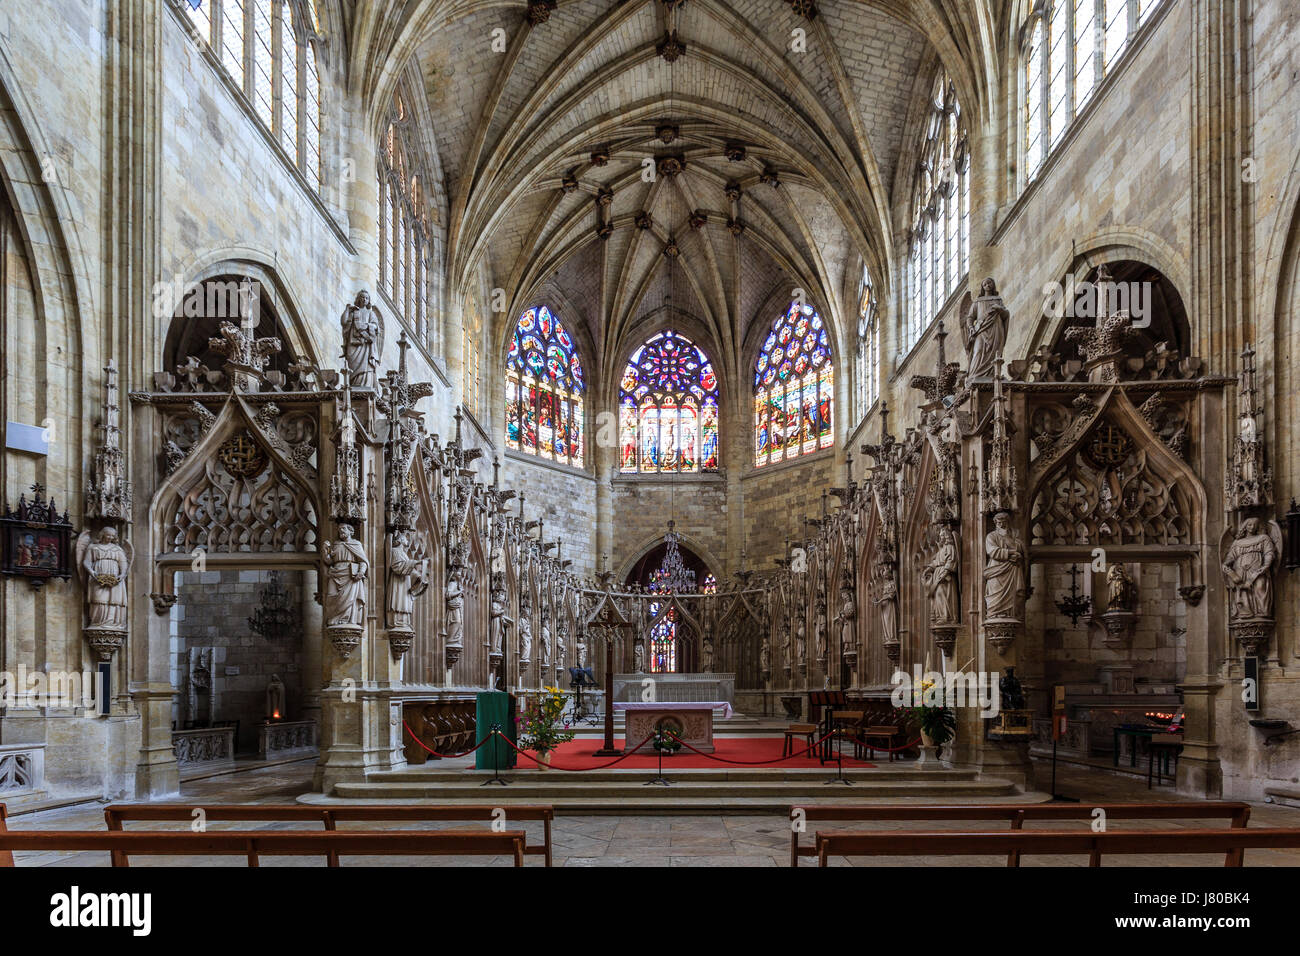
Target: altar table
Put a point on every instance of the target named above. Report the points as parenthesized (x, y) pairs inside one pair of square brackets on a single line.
[(691, 721)]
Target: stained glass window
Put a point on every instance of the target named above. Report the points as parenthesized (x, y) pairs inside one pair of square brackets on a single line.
[(544, 386), (663, 636), (868, 356), (1071, 46), (793, 386), (668, 408), (940, 248)]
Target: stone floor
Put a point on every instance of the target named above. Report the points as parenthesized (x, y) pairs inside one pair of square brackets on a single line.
[(611, 840)]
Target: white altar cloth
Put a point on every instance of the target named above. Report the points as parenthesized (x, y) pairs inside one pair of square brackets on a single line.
[(675, 705)]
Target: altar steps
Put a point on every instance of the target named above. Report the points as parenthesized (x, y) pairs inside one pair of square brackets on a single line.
[(624, 791)]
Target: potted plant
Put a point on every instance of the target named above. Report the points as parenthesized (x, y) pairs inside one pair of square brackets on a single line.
[(542, 728), (937, 723)]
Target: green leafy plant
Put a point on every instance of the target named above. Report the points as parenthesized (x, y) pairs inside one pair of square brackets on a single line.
[(542, 727), (937, 723)]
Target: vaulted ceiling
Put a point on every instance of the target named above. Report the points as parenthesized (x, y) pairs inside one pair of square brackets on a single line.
[(661, 161)]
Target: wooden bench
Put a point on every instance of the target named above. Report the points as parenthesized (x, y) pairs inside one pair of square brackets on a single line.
[(329, 816), (1016, 814), (1232, 843), (254, 845)]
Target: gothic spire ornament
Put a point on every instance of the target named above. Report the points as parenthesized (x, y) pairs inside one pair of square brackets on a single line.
[(347, 491), (108, 492)]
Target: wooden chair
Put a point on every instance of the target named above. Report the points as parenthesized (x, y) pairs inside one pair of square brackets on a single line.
[(883, 735), (807, 731)]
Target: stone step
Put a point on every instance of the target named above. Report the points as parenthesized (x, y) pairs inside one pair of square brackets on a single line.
[(687, 790)]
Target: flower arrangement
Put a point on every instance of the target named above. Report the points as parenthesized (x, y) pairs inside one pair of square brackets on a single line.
[(667, 738), (542, 727), (937, 722)]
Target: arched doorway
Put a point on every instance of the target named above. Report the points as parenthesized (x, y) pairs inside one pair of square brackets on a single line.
[(671, 646)]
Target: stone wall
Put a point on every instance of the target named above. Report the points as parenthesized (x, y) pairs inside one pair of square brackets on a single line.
[(564, 498)]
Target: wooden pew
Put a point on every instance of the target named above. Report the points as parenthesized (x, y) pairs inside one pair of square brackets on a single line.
[(329, 816), (1016, 814), (254, 845), (1015, 843)]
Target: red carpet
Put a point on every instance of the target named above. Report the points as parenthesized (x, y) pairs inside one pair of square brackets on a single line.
[(577, 755)]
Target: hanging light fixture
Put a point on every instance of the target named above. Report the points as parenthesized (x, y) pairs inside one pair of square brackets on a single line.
[(1075, 604), (274, 618), (674, 575)]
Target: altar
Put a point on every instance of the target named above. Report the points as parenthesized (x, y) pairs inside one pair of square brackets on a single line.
[(691, 721)]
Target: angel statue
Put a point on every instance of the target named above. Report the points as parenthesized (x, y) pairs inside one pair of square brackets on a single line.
[(363, 341), (103, 565), (1248, 570)]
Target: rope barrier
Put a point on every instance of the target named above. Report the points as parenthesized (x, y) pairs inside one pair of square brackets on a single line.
[(524, 753), (749, 763), (446, 756)]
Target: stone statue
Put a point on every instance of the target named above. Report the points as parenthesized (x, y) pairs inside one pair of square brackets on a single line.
[(765, 658), (801, 639), (561, 633), (940, 580), (706, 657), (546, 637), (819, 635), (408, 578), (525, 630), (497, 613), (1248, 571), (1013, 695), (275, 706), (582, 654), (985, 324), (1004, 572), (363, 341), (455, 598), (347, 568), (1121, 591), (638, 658), (888, 604), (848, 611), (104, 564)]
